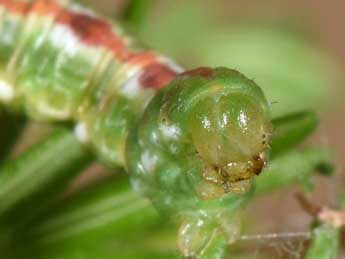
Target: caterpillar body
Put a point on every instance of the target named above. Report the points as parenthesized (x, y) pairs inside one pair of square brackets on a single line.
[(186, 138), (62, 62)]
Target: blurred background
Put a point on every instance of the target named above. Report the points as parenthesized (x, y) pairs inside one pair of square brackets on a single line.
[(294, 49)]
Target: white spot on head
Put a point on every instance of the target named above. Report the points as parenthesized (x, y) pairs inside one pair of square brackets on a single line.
[(206, 124), (149, 161), (6, 91), (154, 137), (170, 131), (81, 133), (224, 121)]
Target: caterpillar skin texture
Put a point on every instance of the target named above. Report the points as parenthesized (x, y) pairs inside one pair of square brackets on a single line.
[(60, 61), (186, 138)]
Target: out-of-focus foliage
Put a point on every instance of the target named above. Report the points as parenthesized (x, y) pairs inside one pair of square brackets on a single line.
[(292, 168), (293, 71)]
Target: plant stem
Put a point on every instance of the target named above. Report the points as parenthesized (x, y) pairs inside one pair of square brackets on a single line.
[(325, 243), (292, 167), (109, 210), (325, 239), (40, 173), (291, 130), (102, 250), (11, 127)]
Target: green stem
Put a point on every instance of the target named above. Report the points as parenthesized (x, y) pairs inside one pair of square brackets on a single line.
[(325, 239), (136, 12), (325, 243), (40, 173), (11, 127), (107, 249), (292, 167), (291, 130), (110, 210)]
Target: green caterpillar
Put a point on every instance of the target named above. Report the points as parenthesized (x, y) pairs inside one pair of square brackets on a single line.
[(186, 138)]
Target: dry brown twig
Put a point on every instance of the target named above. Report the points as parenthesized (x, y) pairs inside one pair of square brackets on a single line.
[(323, 214)]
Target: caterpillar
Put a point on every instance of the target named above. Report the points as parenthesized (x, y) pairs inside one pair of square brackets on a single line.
[(187, 138)]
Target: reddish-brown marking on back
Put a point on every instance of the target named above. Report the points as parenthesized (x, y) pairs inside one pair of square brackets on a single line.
[(205, 72), (96, 32), (157, 76), (91, 30)]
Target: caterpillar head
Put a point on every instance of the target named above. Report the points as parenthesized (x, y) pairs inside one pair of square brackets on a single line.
[(229, 128), (201, 139)]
